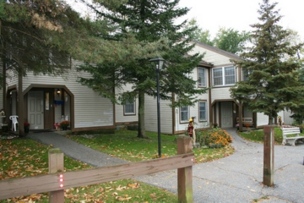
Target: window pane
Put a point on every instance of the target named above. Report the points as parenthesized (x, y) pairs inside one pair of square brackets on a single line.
[(184, 113), (130, 107), (229, 75), (217, 76), (201, 77), (202, 111)]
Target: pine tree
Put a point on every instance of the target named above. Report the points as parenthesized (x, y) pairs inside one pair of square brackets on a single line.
[(271, 66), (40, 36), (152, 25)]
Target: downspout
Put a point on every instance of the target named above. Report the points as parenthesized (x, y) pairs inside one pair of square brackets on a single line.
[(173, 114), (210, 103), (20, 101)]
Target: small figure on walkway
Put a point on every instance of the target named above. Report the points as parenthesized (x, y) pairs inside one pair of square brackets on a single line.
[(191, 130)]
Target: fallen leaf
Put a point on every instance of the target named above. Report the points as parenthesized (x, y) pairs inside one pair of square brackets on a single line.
[(133, 185)]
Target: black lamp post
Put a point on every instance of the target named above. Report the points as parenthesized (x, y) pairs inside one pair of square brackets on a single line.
[(159, 65)]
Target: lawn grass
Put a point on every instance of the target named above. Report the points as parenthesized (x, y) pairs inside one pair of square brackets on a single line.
[(126, 145), (257, 135), (25, 157)]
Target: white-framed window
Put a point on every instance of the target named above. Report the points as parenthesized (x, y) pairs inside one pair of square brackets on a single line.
[(129, 108), (184, 114), (224, 76), (201, 74), (202, 111)]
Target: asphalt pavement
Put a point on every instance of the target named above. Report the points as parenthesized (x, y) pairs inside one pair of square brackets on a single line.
[(233, 179)]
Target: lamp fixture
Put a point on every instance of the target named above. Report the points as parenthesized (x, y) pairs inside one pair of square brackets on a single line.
[(159, 65), (58, 91)]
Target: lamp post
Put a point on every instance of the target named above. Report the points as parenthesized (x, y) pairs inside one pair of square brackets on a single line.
[(159, 65)]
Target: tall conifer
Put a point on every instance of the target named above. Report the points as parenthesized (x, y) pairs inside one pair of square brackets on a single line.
[(152, 25), (270, 67)]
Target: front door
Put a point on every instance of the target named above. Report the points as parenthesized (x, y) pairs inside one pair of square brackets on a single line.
[(35, 109), (226, 115)]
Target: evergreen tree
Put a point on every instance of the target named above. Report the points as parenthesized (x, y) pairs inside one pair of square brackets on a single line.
[(152, 25), (40, 36), (272, 81)]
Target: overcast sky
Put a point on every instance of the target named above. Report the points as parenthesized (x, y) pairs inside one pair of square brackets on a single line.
[(240, 14), (237, 14)]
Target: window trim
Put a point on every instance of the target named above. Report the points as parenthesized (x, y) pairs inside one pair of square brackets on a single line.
[(223, 76), (180, 114), (206, 111), (199, 85), (131, 113)]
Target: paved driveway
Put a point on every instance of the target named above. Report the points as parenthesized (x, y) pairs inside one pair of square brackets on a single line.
[(236, 178)]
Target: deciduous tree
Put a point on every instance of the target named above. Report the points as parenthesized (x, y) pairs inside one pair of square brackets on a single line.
[(231, 40)]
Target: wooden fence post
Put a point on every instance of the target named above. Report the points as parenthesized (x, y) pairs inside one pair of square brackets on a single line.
[(56, 164), (184, 175), (268, 169)]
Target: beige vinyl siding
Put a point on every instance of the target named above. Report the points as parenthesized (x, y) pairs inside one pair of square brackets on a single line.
[(286, 119), (151, 115), (262, 119), (221, 93), (91, 110), (166, 112), (119, 109), (211, 56), (193, 112)]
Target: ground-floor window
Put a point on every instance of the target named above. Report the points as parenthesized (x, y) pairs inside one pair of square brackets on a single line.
[(202, 108), (184, 113), (129, 107)]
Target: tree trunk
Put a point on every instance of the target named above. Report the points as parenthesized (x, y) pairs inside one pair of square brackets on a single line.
[(270, 120), (20, 109), (141, 115)]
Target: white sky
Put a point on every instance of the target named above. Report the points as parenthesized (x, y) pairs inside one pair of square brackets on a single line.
[(240, 14), (237, 14)]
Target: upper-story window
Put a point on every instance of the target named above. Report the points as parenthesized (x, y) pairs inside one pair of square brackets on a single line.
[(129, 107), (223, 76), (201, 74)]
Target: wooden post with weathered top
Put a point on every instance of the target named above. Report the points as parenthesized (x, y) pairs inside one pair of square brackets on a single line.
[(184, 175), (56, 164), (268, 168)]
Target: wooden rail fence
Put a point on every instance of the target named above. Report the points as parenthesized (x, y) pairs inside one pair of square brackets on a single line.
[(57, 181)]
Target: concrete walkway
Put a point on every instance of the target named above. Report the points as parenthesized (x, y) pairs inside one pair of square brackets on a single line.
[(236, 178)]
